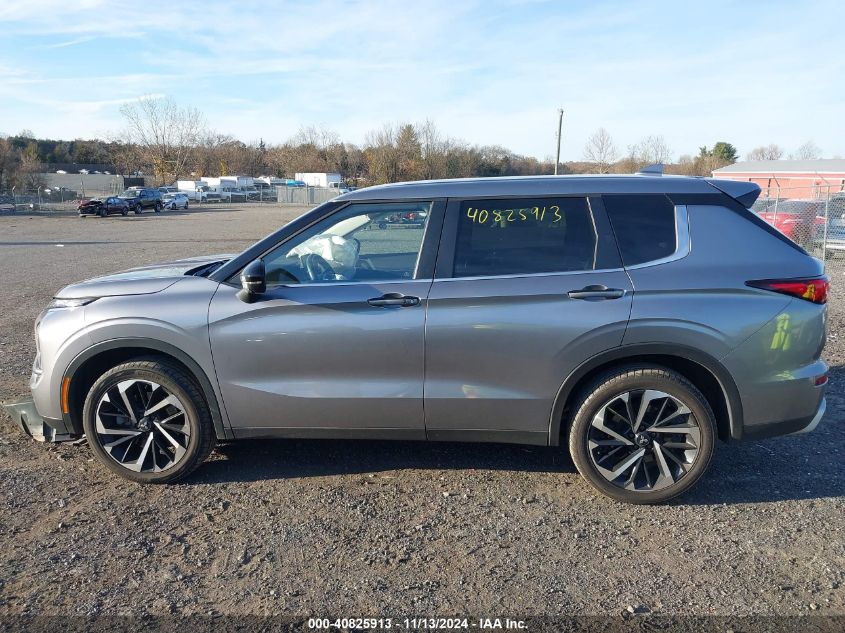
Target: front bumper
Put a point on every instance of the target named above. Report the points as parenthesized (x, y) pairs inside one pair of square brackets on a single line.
[(25, 416)]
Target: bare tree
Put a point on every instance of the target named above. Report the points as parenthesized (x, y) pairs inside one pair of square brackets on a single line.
[(600, 150), (9, 159), (30, 174), (765, 152), (165, 133), (382, 154), (434, 150), (808, 151), (652, 149)]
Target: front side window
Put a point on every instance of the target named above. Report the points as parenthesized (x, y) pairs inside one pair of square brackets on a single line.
[(362, 242), (524, 236)]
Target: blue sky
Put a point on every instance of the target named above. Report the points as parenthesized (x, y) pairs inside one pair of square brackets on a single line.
[(750, 73)]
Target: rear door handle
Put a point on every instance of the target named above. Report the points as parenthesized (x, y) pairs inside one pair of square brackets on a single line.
[(596, 292), (394, 299)]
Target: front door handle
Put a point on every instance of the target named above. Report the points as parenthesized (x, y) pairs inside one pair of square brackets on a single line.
[(394, 299), (596, 292)]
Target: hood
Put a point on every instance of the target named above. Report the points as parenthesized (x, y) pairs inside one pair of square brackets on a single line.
[(139, 281)]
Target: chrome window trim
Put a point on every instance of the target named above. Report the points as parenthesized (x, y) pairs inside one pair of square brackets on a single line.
[(521, 275), (335, 284), (682, 241)]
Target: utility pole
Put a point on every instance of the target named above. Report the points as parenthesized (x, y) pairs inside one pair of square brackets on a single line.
[(559, 128)]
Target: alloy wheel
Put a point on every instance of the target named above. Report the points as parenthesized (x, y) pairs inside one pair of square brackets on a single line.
[(142, 426), (644, 440)]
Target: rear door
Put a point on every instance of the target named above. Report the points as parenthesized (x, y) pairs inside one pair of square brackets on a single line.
[(525, 290)]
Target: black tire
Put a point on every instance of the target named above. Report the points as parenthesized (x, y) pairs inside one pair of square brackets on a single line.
[(178, 383), (632, 379), (158, 207), (137, 210), (124, 212), (101, 212)]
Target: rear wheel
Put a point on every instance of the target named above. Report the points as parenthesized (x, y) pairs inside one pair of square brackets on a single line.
[(158, 207), (101, 212), (124, 211), (147, 421), (642, 434)]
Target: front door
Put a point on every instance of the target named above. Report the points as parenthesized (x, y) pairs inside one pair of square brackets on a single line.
[(525, 290), (336, 344)]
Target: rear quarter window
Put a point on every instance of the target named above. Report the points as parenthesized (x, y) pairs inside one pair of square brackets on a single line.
[(644, 226)]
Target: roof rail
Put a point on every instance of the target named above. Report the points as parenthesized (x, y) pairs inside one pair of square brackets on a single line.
[(651, 170)]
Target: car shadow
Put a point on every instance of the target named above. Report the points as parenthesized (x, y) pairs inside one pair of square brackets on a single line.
[(779, 469), (255, 460)]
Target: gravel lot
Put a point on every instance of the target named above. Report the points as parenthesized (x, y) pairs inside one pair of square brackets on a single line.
[(375, 529)]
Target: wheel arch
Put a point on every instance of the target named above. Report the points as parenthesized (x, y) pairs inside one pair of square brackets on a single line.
[(704, 371), (91, 363)]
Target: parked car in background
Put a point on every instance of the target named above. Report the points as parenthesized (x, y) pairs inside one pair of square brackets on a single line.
[(140, 198), (831, 239), (796, 219), (232, 194), (7, 204), (413, 218), (103, 206), (265, 189), (207, 194), (177, 200), (166, 190), (633, 321)]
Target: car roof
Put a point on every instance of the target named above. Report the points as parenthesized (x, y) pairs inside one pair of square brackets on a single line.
[(553, 185)]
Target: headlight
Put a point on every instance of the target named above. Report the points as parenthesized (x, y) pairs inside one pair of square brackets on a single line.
[(70, 303)]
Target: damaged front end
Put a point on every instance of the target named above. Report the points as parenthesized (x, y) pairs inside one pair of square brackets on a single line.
[(25, 416)]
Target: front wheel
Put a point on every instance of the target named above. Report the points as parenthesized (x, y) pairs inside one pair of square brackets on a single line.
[(158, 207), (642, 434), (147, 421)]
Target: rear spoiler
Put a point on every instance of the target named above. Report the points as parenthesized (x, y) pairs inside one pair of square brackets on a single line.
[(742, 191)]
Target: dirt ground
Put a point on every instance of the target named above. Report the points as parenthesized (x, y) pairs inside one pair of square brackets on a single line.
[(319, 528)]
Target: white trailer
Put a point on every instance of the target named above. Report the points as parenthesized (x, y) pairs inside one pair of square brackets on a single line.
[(191, 188), (319, 179)]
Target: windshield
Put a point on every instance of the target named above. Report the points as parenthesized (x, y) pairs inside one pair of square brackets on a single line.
[(130, 194)]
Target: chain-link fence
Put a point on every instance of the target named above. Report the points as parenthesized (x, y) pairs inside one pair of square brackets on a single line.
[(54, 199), (47, 199), (816, 221)]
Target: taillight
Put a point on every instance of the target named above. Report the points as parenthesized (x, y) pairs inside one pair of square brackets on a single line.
[(814, 290)]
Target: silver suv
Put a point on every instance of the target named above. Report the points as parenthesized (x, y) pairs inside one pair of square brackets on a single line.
[(634, 319)]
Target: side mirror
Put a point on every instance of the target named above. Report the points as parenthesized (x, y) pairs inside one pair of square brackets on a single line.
[(253, 281)]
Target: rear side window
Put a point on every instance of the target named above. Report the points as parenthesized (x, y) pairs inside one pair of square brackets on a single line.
[(644, 227), (524, 236)]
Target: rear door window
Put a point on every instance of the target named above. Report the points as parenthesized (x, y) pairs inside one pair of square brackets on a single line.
[(644, 226), (524, 236)]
